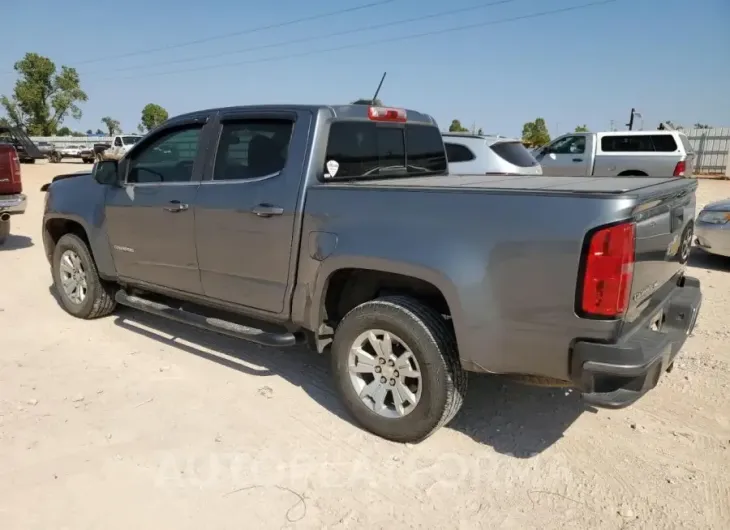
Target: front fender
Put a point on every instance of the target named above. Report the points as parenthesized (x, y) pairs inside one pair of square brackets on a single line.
[(80, 200)]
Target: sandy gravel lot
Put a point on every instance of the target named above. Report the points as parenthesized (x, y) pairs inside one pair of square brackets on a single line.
[(135, 422)]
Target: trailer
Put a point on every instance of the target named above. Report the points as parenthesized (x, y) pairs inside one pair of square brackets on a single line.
[(27, 150)]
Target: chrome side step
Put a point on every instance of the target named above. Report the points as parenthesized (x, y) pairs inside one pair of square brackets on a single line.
[(216, 325)]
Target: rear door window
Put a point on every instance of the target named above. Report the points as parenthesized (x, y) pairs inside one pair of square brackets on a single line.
[(370, 149), (458, 153), (515, 153)]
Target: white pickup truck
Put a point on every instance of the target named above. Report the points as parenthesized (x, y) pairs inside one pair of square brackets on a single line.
[(119, 145), (618, 153)]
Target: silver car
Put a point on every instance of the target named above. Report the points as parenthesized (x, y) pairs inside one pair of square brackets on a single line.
[(712, 229), (473, 154)]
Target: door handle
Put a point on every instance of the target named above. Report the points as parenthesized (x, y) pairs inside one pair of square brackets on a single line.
[(177, 206), (267, 210), (577, 160)]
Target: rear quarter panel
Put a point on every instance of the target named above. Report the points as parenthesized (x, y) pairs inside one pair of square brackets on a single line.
[(507, 263)]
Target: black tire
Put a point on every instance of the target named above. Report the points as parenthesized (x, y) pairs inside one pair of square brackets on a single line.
[(99, 299), (4, 231), (685, 246), (431, 339)]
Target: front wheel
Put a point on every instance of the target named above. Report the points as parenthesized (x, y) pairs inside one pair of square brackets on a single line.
[(4, 231), (83, 293), (397, 368)]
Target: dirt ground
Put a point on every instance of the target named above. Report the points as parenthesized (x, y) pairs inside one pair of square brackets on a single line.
[(135, 422)]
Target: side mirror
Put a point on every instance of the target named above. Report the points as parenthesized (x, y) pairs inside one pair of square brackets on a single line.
[(106, 173)]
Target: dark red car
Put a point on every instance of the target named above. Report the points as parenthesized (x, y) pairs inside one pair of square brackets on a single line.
[(12, 200)]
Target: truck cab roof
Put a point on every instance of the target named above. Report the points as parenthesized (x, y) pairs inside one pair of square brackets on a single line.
[(337, 111)]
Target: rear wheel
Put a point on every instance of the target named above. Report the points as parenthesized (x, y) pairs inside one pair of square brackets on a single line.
[(685, 247), (83, 294), (4, 231), (397, 369)]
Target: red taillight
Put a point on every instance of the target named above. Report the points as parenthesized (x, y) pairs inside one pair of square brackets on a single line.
[(609, 270), (15, 172), (387, 114), (680, 168)]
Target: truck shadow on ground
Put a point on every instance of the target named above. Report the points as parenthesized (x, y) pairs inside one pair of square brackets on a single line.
[(515, 419), (711, 262), (15, 242)]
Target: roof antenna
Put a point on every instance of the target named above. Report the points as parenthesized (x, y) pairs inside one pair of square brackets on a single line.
[(372, 102)]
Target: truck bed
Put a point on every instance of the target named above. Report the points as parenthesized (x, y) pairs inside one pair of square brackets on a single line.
[(546, 183)]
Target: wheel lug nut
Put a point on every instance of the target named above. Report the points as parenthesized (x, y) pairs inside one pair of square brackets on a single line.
[(383, 379), (395, 374), (392, 382), (381, 360), (378, 369), (391, 363)]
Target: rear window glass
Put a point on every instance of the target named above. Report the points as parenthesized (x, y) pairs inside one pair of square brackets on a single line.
[(371, 149), (458, 153), (686, 143), (514, 153), (638, 143)]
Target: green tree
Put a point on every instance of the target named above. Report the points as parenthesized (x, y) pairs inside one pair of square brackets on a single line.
[(89, 132), (702, 126), (99, 132), (152, 116), (581, 128), (457, 127), (112, 125), (43, 97), (535, 132), (373, 102), (63, 131), (480, 131), (4, 122)]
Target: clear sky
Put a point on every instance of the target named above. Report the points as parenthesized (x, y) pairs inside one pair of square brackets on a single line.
[(668, 58)]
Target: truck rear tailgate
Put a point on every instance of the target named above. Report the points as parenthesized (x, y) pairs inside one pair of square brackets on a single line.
[(664, 225)]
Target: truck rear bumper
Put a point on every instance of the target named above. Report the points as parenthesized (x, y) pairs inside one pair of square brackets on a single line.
[(13, 204), (616, 375)]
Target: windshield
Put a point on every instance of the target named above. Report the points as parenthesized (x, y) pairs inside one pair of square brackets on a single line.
[(367, 149), (130, 140)]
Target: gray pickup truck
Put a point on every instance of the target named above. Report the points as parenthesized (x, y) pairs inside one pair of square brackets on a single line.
[(339, 226)]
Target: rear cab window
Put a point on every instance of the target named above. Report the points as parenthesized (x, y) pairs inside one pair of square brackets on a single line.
[(364, 148), (638, 143)]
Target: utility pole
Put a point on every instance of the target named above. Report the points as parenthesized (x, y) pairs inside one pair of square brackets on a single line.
[(630, 125), (612, 127)]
